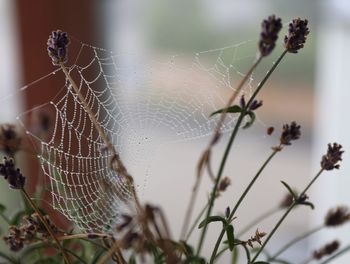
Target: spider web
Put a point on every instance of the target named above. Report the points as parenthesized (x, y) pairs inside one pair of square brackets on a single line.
[(141, 104)]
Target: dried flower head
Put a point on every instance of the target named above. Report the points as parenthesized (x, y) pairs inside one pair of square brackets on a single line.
[(296, 37), (289, 133), (57, 47), (14, 177), (332, 157), (269, 34), (328, 249), (10, 140), (256, 238), (337, 216)]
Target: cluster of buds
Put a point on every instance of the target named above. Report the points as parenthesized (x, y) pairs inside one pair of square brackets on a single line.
[(269, 34), (57, 47), (289, 133), (12, 174), (255, 104), (30, 229), (332, 157), (296, 37)]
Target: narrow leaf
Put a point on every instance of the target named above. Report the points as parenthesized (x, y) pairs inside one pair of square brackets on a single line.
[(231, 109), (210, 219), (230, 236), (251, 121), (290, 190)]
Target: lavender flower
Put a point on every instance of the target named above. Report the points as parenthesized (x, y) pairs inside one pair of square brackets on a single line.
[(14, 177), (269, 34), (57, 47), (289, 133), (333, 156), (296, 37)]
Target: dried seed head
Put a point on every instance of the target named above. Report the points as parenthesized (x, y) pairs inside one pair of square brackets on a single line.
[(256, 238), (296, 37), (289, 133), (270, 130), (269, 34), (57, 47), (10, 140), (14, 177), (337, 216), (224, 183), (328, 249), (332, 157)]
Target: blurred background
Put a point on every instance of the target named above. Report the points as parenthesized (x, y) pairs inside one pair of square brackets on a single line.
[(309, 87)]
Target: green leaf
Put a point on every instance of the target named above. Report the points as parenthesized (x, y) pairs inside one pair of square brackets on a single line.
[(251, 121), (231, 109), (230, 236), (290, 190), (210, 219)]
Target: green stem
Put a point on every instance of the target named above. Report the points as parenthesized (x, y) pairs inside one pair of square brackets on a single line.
[(285, 215), (294, 241), (240, 200), (224, 158), (221, 169), (338, 254), (195, 223), (251, 225), (228, 148)]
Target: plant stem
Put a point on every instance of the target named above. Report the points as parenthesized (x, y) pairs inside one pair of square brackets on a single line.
[(285, 215), (240, 200), (121, 169), (338, 254), (294, 241), (212, 142), (251, 225), (228, 148), (195, 223), (221, 169), (47, 227)]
